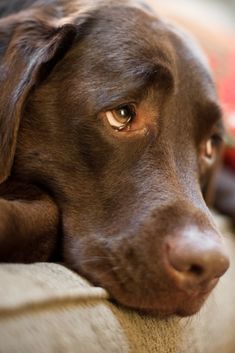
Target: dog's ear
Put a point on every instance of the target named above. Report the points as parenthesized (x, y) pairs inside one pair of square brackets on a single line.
[(28, 51)]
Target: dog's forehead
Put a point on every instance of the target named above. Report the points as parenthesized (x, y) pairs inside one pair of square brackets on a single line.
[(134, 23), (137, 23), (120, 44), (123, 43), (193, 64), (125, 38)]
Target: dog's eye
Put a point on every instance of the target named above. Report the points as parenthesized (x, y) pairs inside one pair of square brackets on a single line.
[(211, 148), (121, 117)]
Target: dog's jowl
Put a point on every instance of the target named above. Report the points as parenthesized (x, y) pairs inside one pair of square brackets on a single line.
[(110, 132)]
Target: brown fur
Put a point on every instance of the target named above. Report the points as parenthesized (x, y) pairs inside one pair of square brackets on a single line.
[(109, 203)]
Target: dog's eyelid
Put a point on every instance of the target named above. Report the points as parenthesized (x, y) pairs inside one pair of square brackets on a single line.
[(219, 127), (217, 133)]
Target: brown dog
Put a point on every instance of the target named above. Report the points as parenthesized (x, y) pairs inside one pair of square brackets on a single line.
[(110, 129)]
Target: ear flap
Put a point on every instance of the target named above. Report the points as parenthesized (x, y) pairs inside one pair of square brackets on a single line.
[(32, 50)]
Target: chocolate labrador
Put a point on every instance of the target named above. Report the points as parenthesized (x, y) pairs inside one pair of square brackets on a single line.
[(110, 132)]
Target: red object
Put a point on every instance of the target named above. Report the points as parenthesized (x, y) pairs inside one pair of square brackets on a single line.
[(229, 157), (227, 94), (224, 68)]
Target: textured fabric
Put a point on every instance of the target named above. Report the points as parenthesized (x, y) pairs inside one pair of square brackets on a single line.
[(46, 308)]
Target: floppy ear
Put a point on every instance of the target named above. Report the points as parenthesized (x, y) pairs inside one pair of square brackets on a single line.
[(28, 53)]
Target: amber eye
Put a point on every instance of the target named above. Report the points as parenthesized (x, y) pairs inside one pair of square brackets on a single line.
[(211, 148), (121, 117)]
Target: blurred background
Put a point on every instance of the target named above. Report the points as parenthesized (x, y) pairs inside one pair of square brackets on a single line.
[(213, 24), (221, 10)]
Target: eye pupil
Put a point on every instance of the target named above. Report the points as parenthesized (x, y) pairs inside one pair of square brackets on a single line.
[(124, 113)]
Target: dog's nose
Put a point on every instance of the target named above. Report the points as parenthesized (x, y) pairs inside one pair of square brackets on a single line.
[(196, 260)]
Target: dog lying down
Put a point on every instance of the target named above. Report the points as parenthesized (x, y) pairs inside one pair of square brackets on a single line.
[(110, 132)]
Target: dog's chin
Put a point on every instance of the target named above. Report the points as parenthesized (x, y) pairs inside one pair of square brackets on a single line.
[(171, 302), (163, 307)]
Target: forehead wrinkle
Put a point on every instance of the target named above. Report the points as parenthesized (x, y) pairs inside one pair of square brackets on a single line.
[(123, 65), (132, 88)]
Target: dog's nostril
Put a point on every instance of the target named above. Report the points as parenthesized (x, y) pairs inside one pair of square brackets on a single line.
[(196, 270)]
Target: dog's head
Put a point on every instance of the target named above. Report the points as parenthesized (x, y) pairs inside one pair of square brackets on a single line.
[(116, 116)]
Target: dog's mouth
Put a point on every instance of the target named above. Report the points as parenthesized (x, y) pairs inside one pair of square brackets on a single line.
[(178, 303), (147, 281), (155, 299)]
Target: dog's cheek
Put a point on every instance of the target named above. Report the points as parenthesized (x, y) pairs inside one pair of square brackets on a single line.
[(127, 272), (8, 230), (89, 256)]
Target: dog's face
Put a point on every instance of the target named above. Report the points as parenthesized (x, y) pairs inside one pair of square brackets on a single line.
[(123, 130)]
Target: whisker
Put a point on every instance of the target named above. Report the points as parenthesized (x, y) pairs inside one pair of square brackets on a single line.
[(94, 260)]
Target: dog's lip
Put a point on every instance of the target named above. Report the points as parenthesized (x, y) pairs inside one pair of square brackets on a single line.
[(203, 289), (183, 303), (186, 304)]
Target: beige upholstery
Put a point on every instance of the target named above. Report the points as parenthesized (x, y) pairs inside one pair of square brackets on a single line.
[(46, 308)]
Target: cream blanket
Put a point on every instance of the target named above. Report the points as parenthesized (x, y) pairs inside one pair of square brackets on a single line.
[(46, 308)]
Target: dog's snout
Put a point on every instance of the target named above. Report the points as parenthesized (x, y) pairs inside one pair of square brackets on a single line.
[(196, 260)]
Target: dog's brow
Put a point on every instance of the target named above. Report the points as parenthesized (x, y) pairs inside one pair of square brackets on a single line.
[(136, 82), (142, 77)]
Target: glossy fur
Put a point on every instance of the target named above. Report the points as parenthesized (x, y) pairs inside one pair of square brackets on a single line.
[(103, 201)]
